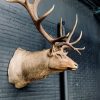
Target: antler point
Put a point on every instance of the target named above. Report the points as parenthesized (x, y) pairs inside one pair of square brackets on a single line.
[(77, 15), (53, 6), (83, 48)]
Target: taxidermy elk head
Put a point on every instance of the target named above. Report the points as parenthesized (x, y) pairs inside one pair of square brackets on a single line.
[(26, 66)]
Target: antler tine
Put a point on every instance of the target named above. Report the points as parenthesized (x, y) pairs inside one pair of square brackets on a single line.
[(46, 14), (79, 38), (68, 39), (61, 31), (32, 9), (78, 49), (66, 45), (35, 5)]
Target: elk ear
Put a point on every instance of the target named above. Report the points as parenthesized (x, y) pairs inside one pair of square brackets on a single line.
[(51, 53)]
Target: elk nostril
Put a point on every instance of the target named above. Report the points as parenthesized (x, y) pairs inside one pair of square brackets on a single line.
[(76, 65)]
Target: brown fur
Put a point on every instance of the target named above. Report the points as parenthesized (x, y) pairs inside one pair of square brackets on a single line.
[(26, 66)]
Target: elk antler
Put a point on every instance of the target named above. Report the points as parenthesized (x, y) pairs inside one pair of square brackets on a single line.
[(63, 41), (67, 39), (32, 9)]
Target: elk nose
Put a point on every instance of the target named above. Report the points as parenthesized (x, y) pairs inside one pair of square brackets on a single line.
[(76, 65)]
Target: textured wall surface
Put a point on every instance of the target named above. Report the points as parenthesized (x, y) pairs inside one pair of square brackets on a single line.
[(17, 30), (83, 84)]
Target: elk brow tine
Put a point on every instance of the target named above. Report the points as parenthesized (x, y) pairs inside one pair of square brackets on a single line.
[(74, 48), (78, 50), (71, 46)]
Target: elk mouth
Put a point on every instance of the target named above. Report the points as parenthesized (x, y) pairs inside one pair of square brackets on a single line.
[(63, 68), (73, 69), (58, 69)]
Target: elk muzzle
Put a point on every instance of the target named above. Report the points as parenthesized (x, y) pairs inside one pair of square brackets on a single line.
[(60, 61)]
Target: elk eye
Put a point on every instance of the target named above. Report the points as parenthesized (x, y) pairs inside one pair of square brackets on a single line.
[(59, 55)]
